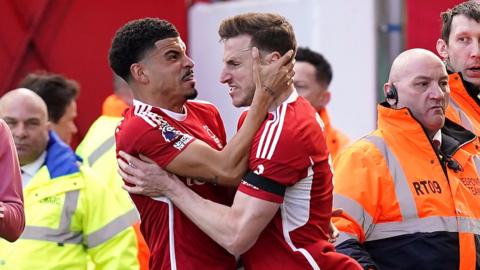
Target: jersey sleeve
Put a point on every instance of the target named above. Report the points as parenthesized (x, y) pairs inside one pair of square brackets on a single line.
[(278, 159), (158, 140)]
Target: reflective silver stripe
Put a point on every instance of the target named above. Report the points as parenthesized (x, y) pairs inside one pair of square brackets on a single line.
[(464, 120), (111, 229), (51, 235), (63, 233), (102, 149), (426, 225), (476, 160), (355, 210), (69, 208), (468, 225), (407, 204), (343, 236)]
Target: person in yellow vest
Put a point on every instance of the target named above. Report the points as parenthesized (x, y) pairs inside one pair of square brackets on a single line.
[(313, 75), (410, 190), (70, 215), (122, 98), (460, 50), (98, 151)]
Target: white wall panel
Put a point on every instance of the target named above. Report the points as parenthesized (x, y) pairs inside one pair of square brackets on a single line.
[(342, 30)]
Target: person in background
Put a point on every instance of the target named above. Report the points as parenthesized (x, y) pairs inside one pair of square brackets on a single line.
[(410, 190), (460, 50), (98, 151), (70, 215), (60, 95), (12, 214), (121, 99), (313, 75)]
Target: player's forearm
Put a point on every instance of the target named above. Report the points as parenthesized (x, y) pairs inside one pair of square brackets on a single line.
[(233, 155), (216, 220)]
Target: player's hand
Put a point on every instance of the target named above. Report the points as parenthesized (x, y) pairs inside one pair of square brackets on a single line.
[(333, 233), (276, 77), (145, 175)]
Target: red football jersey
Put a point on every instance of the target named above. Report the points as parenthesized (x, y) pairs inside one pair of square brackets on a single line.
[(174, 241), (289, 164)]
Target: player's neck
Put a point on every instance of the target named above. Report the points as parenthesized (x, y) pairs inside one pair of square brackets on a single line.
[(281, 98), (163, 102)]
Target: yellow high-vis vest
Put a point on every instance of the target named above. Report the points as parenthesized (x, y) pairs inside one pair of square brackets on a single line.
[(70, 216)]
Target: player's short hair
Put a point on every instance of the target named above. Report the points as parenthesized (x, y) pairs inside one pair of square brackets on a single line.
[(269, 32), (134, 39), (323, 70), (469, 9)]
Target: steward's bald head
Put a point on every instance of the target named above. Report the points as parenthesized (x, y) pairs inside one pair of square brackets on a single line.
[(23, 97), (27, 117), (406, 63), (421, 83)]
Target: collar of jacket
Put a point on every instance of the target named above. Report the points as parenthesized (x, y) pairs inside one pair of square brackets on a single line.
[(472, 90), (60, 159), (401, 123), (325, 118)]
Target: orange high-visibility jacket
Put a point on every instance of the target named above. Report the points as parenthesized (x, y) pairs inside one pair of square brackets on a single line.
[(405, 207), (462, 109), (336, 140)]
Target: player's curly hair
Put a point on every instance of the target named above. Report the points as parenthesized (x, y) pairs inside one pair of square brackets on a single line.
[(134, 39)]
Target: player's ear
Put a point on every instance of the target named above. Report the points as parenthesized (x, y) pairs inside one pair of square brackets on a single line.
[(271, 57), (139, 73)]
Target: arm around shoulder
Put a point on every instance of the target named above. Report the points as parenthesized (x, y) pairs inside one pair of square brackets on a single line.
[(235, 228)]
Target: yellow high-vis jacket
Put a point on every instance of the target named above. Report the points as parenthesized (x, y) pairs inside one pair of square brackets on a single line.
[(70, 216), (98, 151)]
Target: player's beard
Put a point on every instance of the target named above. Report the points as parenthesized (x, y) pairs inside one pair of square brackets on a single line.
[(192, 95)]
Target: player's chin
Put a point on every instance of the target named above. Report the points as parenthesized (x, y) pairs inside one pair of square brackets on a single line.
[(192, 94), (236, 101)]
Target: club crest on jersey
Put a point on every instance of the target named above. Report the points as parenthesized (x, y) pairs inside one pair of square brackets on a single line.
[(213, 136)]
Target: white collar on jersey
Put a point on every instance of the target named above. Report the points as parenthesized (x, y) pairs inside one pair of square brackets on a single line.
[(174, 115)]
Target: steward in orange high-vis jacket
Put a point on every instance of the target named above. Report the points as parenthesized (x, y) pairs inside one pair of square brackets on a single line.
[(458, 46), (410, 190), (463, 108)]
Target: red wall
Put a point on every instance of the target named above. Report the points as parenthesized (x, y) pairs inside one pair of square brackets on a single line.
[(72, 38), (423, 22)]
